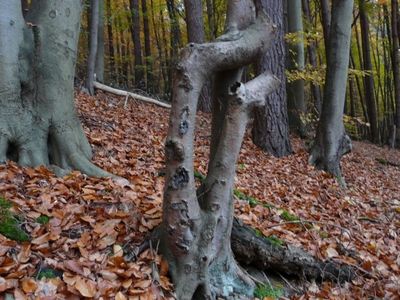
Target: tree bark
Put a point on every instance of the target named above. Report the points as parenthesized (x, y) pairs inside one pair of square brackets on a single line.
[(331, 141), (326, 22), (196, 231), (196, 34), (110, 42), (295, 89), (396, 67), (312, 54), (369, 89), (38, 123), (91, 61), (99, 69), (147, 48), (137, 46), (270, 127)]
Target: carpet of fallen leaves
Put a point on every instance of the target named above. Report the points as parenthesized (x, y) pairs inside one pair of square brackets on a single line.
[(93, 220)]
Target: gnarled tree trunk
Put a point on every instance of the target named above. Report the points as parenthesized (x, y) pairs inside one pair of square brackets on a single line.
[(38, 122), (197, 230)]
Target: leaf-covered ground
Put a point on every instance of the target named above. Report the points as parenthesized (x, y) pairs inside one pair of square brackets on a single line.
[(80, 228)]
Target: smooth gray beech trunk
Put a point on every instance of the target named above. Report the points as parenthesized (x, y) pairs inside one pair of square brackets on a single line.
[(38, 122), (295, 89), (270, 129), (331, 141), (93, 40), (196, 228)]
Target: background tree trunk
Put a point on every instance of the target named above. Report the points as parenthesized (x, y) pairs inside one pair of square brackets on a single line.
[(270, 128), (295, 89), (195, 30), (99, 69), (326, 22), (312, 54), (38, 123), (331, 141), (368, 79), (396, 68), (137, 46), (147, 49), (91, 62), (110, 42)]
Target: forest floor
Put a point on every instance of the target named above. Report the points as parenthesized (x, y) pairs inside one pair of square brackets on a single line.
[(79, 227)]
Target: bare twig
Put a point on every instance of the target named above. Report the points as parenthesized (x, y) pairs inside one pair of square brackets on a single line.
[(118, 92)]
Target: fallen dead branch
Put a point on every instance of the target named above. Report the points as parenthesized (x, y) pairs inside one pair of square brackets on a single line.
[(127, 94)]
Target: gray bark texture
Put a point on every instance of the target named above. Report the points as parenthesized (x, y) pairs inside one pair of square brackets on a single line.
[(93, 42), (295, 89), (331, 141), (38, 122), (270, 127), (197, 229)]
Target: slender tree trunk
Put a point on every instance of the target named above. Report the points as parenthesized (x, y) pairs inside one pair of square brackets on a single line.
[(196, 34), (326, 22), (270, 127), (295, 89), (147, 48), (91, 61), (110, 42), (137, 46), (99, 69), (312, 54), (396, 66), (38, 122), (331, 141), (368, 79), (175, 38), (211, 19)]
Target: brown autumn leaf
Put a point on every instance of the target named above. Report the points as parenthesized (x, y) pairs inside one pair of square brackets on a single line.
[(86, 288), (6, 284), (120, 296), (29, 285)]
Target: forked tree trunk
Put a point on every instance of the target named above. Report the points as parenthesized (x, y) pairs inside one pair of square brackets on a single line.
[(197, 230), (38, 122), (332, 142)]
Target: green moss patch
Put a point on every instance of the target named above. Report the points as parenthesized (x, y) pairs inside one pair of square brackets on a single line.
[(287, 216), (43, 219), (267, 290), (10, 225)]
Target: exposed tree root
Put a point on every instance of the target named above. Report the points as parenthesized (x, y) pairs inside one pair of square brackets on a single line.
[(118, 92), (250, 249), (260, 253)]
